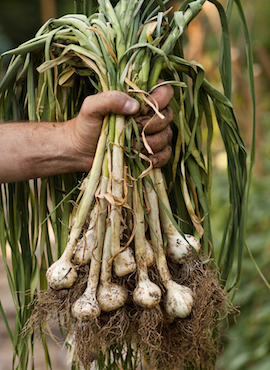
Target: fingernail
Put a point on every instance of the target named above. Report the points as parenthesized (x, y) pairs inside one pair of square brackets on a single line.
[(132, 106)]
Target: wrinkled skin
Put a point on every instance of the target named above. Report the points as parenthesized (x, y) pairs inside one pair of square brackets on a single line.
[(86, 126), (30, 150)]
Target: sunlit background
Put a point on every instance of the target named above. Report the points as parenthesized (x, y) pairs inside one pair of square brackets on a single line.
[(246, 344)]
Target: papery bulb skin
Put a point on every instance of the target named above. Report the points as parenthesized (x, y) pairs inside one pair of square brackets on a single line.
[(179, 251), (61, 274), (83, 250), (149, 254), (147, 294), (111, 296), (179, 300), (86, 308), (124, 263)]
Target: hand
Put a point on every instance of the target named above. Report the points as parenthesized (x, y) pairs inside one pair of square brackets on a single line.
[(30, 150), (158, 131), (85, 128)]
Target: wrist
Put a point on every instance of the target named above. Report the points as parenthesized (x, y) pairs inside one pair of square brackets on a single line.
[(79, 156)]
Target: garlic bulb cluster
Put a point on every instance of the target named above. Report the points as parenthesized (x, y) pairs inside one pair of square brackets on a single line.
[(100, 246)]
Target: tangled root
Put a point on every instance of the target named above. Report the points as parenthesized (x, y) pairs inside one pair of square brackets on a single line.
[(56, 304), (85, 341), (195, 339), (91, 337), (162, 343), (114, 326), (147, 325)]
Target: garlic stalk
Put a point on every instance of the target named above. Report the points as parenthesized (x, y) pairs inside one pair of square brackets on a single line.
[(110, 296), (146, 294), (179, 299), (149, 253), (84, 248), (129, 217), (178, 249), (62, 273), (87, 307), (124, 262)]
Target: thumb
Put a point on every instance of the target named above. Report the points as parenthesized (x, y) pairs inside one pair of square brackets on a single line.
[(99, 105)]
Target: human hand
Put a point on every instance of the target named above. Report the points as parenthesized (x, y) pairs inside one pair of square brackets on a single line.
[(30, 150), (158, 131), (85, 129)]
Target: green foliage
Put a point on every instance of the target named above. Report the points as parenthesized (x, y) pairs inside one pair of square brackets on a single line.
[(247, 341), (25, 273)]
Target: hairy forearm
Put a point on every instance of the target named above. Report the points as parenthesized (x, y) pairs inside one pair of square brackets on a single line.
[(30, 150)]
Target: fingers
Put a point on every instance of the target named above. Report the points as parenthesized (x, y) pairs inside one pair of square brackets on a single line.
[(154, 122), (161, 95), (157, 141), (87, 125), (158, 131), (161, 158), (99, 105)]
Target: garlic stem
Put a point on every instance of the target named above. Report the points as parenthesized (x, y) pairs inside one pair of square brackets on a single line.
[(178, 249), (110, 296), (62, 273), (179, 299), (124, 262), (146, 294), (129, 217), (149, 253), (87, 307), (84, 248)]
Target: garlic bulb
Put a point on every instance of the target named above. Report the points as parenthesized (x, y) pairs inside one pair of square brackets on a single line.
[(61, 274), (110, 296), (124, 263), (179, 250), (86, 307), (147, 294), (179, 300)]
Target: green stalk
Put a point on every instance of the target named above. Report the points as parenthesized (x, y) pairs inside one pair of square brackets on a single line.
[(87, 307), (140, 232), (87, 199), (11, 73), (155, 231), (179, 299), (146, 294), (120, 268)]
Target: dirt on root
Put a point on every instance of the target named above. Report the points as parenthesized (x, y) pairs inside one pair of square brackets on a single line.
[(164, 342)]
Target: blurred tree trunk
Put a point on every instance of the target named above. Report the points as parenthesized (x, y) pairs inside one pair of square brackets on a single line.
[(48, 9)]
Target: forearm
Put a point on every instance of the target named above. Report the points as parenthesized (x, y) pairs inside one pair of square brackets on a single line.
[(30, 150)]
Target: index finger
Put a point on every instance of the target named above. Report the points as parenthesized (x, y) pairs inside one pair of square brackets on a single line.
[(161, 96)]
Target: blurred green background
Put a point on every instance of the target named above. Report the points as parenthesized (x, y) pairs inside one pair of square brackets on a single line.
[(246, 344)]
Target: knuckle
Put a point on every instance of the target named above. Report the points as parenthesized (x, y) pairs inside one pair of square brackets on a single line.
[(170, 133), (170, 113), (161, 158)]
